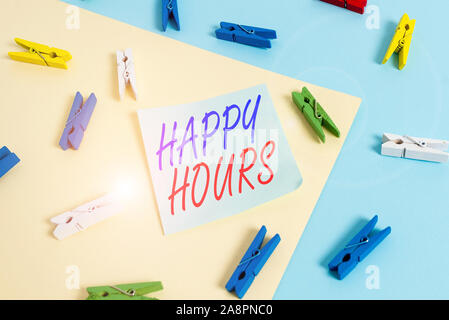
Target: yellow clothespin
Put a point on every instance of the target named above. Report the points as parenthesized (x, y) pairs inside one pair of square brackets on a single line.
[(401, 41), (41, 54)]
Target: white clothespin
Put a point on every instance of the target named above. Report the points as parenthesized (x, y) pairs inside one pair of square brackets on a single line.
[(81, 218), (414, 148), (126, 72)]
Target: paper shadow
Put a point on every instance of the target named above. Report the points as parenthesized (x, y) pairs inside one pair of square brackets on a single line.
[(135, 119)]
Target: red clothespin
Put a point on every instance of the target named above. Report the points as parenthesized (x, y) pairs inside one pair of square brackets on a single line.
[(353, 5)]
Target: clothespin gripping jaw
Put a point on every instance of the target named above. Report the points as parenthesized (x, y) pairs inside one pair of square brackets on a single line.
[(132, 291), (358, 249), (86, 215), (170, 11), (353, 5), (77, 121), (41, 54), (314, 113), (249, 35), (415, 148), (401, 41), (251, 263), (7, 160), (126, 72)]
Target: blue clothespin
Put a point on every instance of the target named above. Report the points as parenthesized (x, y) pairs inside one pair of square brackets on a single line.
[(170, 11), (251, 263), (357, 249), (7, 161), (256, 37)]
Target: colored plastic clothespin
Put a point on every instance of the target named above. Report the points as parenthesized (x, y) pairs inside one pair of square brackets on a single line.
[(314, 113), (401, 41), (353, 5), (252, 36), (41, 54), (415, 148), (132, 291), (82, 217), (7, 160), (170, 11), (77, 122), (357, 249), (251, 263), (126, 71)]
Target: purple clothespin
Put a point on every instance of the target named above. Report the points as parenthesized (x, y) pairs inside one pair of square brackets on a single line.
[(77, 122)]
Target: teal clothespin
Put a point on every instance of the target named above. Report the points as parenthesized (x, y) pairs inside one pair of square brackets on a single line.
[(314, 113), (131, 291)]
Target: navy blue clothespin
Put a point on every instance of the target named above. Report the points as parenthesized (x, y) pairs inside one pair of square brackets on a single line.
[(251, 263), (256, 37), (7, 161), (358, 249), (170, 11)]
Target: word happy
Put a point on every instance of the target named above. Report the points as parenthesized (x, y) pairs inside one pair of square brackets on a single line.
[(214, 123)]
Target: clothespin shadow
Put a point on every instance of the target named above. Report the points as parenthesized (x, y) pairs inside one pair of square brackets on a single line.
[(157, 9), (377, 144), (302, 119), (340, 243), (390, 29), (212, 32)]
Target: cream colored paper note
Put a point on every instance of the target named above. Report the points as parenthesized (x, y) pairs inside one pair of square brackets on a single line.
[(215, 158)]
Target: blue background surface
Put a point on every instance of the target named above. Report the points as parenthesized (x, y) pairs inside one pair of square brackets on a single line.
[(332, 47)]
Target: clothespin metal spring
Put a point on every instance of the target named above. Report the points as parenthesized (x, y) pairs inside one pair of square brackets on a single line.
[(129, 293), (244, 29), (32, 50), (250, 258)]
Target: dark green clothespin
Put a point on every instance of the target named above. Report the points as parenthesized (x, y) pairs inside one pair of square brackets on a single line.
[(132, 291), (314, 113)]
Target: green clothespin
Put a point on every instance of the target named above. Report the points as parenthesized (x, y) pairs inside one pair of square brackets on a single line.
[(314, 113), (132, 291)]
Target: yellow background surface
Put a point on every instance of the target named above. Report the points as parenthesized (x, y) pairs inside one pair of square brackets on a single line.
[(131, 247)]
